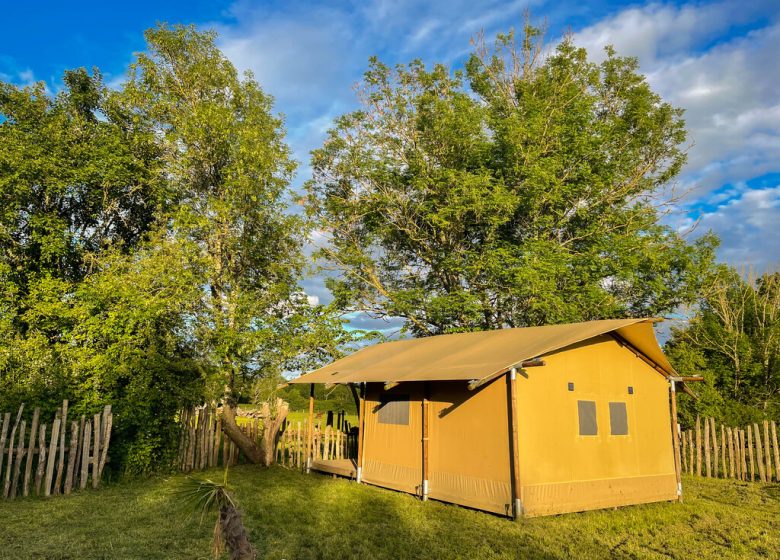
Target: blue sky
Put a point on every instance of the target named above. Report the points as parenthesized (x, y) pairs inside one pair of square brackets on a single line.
[(718, 60)]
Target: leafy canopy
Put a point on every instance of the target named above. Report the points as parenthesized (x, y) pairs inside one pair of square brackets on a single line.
[(147, 253), (523, 191)]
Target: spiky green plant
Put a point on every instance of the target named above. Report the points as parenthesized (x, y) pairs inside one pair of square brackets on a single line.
[(207, 496)]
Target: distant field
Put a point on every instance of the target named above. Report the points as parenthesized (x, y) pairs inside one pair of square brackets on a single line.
[(303, 415), (294, 516)]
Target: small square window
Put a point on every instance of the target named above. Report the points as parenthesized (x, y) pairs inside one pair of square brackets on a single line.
[(394, 410), (618, 419), (630, 390), (571, 386), (587, 416)]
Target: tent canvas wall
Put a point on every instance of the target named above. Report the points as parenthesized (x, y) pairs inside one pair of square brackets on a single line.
[(455, 418)]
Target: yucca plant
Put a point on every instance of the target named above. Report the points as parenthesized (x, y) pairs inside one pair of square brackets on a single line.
[(229, 532)]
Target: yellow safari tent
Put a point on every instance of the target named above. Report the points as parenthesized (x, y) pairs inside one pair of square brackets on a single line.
[(526, 421)]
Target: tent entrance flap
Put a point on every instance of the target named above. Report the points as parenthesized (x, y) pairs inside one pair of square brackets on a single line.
[(392, 443)]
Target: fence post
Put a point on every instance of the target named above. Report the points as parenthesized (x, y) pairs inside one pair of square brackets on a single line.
[(759, 453), (41, 459), (61, 460), (55, 434), (715, 450), (777, 451), (28, 465), (767, 452), (707, 463), (18, 461), (9, 460)]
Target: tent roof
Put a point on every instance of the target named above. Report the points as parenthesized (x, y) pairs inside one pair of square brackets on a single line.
[(479, 355)]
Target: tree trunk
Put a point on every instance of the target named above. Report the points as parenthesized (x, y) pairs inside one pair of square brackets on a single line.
[(248, 447), (273, 427), (234, 534)]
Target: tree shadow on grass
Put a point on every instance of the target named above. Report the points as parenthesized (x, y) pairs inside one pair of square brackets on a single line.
[(315, 516)]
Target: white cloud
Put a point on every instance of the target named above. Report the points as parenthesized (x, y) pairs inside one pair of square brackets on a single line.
[(747, 224), (730, 90)]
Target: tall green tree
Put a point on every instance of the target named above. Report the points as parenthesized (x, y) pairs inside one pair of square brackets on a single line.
[(523, 191), (88, 311), (229, 169), (148, 256), (733, 340)]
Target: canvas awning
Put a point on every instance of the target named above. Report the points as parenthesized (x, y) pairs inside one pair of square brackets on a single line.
[(480, 355)]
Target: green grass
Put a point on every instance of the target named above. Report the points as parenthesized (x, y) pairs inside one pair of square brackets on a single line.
[(295, 516)]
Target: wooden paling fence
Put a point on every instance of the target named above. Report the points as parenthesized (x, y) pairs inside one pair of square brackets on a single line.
[(750, 453), (63, 464), (328, 443), (202, 444)]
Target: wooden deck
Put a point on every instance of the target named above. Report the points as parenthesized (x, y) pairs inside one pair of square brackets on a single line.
[(340, 467)]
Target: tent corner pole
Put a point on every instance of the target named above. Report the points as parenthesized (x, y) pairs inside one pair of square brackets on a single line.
[(517, 497), (675, 438), (426, 431), (361, 433)]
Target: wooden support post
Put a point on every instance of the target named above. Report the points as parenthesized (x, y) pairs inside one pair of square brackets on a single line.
[(698, 446), (41, 459), (676, 440), (361, 433), (723, 447), (767, 452), (683, 449), (517, 494), (777, 451), (108, 420), (707, 457), (77, 469), (730, 436), (72, 453), (743, 466), (298, 446), (28, 465), (86, 440), (690, 452), (61, 460), (97, 440), (759, 453), (55, 434), (715, 449), (750, 455), (426, 431), (310, 450), (3, 435), (10, 457), (18, 460)]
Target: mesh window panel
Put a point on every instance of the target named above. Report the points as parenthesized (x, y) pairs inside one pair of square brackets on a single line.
[(587, 415), (618, 419), (394, 410)]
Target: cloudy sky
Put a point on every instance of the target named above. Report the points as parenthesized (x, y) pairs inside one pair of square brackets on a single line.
[(720, 61)]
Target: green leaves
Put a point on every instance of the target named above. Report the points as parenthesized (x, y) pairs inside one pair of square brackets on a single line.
[(147, 255), (527, 197), (733, 339)]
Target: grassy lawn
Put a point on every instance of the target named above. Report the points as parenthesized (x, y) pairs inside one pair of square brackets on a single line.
[(292, 516)]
